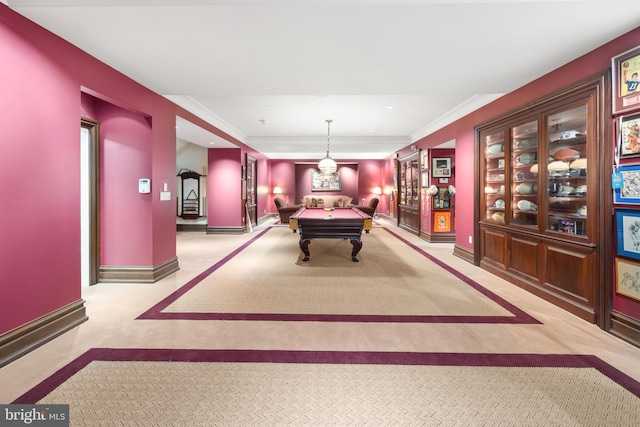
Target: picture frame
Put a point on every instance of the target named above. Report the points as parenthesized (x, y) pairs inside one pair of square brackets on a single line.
[(628, 278), (628, 233), (629, 193), (629, 135), (425, 161), (425, 179), (442, 222), (441, 167), (566, 226), (626, 81), (325, 182)]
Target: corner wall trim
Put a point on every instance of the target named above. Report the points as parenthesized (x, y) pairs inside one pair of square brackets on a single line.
[(18, 342), (119, 274), (464, 253)]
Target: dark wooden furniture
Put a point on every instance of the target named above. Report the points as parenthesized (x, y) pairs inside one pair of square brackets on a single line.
[(409, 192), (369, 209), (190, 195), (543, 214), (284, 211), (251, 196), (330, 223)]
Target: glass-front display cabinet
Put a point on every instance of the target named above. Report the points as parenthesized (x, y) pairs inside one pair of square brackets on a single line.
[(567, 171), (540, 212), (409, 193)]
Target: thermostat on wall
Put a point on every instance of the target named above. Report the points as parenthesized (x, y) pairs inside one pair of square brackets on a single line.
[(144, 185)]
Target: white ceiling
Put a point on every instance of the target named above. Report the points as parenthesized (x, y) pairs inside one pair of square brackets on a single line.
[(270, 72)]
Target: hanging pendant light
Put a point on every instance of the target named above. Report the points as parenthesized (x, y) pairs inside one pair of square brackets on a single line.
[(327, 165)]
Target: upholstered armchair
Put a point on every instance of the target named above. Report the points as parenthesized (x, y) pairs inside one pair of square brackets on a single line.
[(284, 211), (369, 209)]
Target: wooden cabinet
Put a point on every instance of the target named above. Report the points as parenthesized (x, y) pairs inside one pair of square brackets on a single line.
[(409, 193), (541, 210)]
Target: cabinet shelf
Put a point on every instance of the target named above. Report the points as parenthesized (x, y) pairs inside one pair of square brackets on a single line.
[(542, 239)]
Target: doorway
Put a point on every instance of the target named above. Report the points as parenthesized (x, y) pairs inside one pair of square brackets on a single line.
[(89, 203)]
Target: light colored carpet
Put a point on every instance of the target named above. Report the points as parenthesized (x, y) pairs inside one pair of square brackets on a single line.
[(162, 393), (391, 278)]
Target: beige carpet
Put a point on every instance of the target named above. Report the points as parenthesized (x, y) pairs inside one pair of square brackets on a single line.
[(410, 390), (269, 276)]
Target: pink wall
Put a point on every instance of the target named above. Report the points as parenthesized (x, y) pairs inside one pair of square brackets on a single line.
[(125, 151), (39, 169), (427, 219), (348, 179), (224, 200), (39, 181)]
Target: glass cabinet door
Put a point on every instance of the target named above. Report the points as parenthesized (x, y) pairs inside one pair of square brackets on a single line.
[(494, 184), (415, 174), (567, 171), (524, 174)]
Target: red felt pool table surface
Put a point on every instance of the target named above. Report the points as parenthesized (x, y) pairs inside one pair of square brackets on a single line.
[(333, 213), (337, 223)]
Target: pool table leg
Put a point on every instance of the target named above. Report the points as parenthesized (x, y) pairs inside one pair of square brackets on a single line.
[(304, 247), (357, 245)]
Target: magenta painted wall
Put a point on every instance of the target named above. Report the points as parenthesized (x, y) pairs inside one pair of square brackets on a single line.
[(39, 182), (125, 151), (348, 178), (224, 182), (427, 219), (283, 175), (40, 168)]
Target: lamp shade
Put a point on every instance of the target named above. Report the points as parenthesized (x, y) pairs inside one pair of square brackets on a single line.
[(327, 165), (277, 190), (377, 190)]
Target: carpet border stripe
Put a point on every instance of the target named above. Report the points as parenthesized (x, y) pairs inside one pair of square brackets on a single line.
[(514, 360), (519, 316)]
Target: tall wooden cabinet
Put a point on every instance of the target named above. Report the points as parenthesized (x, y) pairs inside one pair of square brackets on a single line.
[(409, 192), (543, 217)]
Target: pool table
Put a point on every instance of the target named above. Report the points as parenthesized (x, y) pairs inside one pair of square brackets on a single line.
[(330, 223)]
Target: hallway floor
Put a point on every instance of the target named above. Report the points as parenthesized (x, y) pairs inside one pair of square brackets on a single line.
[(113, 308)]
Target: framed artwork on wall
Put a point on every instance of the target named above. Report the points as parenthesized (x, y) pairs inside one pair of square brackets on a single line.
[(626, 81), (629, 135), (628, 233), (628, 278), (325, 182), (629, 193), (441, 167)]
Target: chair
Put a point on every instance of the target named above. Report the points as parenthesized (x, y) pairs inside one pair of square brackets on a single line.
[(284, 211), (369, 209)]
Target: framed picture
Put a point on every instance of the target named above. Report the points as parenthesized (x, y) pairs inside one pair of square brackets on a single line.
[(425, 179), (322, 182), (566, 226), (425, 160), (442, 222), (629, 193), (441, 167), (629, 135), (628, 278), (628, 233), (626, 80)]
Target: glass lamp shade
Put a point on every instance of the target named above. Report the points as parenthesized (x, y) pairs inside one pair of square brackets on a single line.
[(277, 190), (327, 165)]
